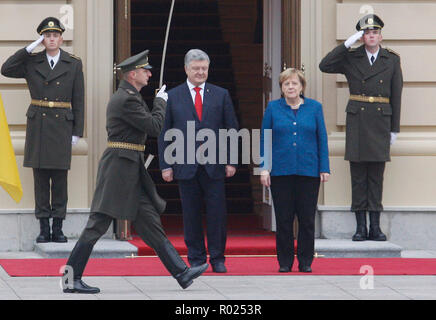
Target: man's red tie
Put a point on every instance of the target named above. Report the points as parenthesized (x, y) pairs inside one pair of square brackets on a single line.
[(198, 102)]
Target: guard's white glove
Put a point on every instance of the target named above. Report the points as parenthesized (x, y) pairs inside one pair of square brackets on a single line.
[(393, 137), (74, 140), (162, 94), (353, 39), (34, 44)]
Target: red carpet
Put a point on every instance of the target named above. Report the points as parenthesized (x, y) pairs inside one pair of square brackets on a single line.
[(244, 236), (249, 266), (236, 245)]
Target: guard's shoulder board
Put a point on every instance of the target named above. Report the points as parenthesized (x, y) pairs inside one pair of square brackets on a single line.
[(352, 50), (74, 57), (393, 52), (130, 92)]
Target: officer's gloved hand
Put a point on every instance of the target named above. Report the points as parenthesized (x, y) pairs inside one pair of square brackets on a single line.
[(34, 44), (393, 137), (353, 39), (162, 94), (74, 140)]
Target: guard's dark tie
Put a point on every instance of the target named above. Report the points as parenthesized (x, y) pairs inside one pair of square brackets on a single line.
[(52, 63), (372, 60)]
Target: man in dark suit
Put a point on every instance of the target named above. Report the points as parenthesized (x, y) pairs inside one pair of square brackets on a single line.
[(124, 188), (55, 121), (202, 105), (373, 117)]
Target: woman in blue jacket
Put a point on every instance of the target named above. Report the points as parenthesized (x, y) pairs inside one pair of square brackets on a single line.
[(295, 162)]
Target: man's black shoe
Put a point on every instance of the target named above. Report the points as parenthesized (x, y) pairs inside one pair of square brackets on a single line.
[(81, 287), (219, 268), (57, 235), (44, 235), (375, 233), (361, 228), (306, 269), (186, 278), (43, 238), (285, 269)]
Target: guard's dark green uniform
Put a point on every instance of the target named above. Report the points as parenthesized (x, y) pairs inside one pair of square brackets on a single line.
[(369, 124), (122, 177), (49, 130), (373, 112), (55, 114), (124, 188)]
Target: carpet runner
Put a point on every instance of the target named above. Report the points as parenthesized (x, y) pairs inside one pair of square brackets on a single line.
[(244, 236), (247, 266)]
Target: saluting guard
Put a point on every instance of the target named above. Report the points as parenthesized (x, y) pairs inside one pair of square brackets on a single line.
[(373, 117), (55, 120)]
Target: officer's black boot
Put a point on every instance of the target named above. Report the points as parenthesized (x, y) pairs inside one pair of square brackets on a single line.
[(375, 232), (44, 235), (361, 230), (177, 267), (57, 234)]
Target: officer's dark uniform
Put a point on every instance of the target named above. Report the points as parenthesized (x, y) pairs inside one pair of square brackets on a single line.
[(124, 188), (373, 112), (56, 113)]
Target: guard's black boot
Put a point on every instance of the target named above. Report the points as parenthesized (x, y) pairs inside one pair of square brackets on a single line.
[(177, 267), (81, 287), (57, 234), (44, 235), (186, 278), (361, 229), (375, 232)]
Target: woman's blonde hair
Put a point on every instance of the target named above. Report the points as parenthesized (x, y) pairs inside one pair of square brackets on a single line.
[(288, 73)]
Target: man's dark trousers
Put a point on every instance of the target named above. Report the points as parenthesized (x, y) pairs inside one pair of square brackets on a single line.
[(367, 186), (192, 193), (55, 183)]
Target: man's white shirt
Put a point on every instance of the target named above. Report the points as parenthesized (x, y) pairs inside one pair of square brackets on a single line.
[(193, 92), (375, 55), (55, 59)]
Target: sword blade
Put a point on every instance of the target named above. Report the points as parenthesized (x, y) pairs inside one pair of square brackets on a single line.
[(165, 45)]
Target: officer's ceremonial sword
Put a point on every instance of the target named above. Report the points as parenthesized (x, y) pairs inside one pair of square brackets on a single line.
[(162, 67)]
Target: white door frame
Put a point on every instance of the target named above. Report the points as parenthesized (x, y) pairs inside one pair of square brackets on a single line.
[(272, 61)]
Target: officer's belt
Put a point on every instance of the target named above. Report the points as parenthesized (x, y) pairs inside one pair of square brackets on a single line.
[(125, 145), (359, 98), (51, 104)]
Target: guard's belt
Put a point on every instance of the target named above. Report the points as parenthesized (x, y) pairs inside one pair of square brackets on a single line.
[(359, 98), (125, 145), (51, 104)]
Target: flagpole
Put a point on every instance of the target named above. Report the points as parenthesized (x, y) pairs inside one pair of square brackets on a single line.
[(165, 45)]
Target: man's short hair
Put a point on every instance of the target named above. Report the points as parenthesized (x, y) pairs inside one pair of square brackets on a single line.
[(196, 55)]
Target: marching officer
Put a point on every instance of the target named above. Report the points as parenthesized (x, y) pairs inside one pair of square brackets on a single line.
[(124, 188), (373, 117), (55, 121)]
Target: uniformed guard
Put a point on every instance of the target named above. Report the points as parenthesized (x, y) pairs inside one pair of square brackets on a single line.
[(124, 188), (373, 117), (55, 121)]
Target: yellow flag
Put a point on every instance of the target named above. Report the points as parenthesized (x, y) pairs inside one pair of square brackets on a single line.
[(9, 176)]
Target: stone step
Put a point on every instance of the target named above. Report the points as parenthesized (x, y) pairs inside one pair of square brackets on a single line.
[(342, 248), (325, 248), (104, 248)]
